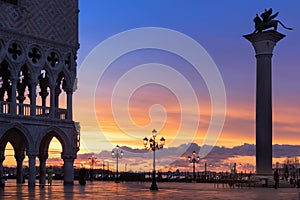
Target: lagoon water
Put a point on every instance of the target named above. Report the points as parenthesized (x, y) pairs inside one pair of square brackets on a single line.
[(137, 190)]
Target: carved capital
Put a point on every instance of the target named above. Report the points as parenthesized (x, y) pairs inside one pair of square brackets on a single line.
[(14, 79), (31, 154), (43, 156), (68, 157), (33, 83), (68, 90), (19, 156), (57, 91), (264, 42)]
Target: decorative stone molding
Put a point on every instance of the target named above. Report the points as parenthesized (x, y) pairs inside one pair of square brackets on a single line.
[(54, 20)]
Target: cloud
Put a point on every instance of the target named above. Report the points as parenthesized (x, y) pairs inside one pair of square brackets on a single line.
[(218, 159)]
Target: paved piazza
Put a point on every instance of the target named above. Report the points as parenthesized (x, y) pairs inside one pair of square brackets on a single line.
[(135, 190)]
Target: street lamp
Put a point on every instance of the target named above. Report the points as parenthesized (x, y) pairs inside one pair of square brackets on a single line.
[(193, 159), (105, 164), (116, 153), (92, 161), (153, 146)]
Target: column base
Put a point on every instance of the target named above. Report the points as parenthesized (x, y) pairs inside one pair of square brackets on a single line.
[(263, 180), (68, 183), (154, 186)]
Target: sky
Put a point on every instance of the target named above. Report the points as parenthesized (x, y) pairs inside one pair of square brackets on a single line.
[(207, 102), (123, 113)]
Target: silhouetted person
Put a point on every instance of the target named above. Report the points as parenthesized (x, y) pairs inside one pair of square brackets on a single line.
[(159, 176), (276, 179), (286, 172), (49, 173), (82, 175), (2, 178)]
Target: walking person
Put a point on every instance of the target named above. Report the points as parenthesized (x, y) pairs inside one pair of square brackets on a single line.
[(49, 173), (276, 178), (82, 176)]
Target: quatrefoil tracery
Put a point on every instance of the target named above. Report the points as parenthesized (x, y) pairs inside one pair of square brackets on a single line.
[(15, 50), (53, 59), (35, 55)]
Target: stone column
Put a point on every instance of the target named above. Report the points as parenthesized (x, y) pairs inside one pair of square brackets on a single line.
[(32, 170), (13, 106), (43, 159), (52, 101), (1, 106), (43, 93), (68, 170), (19, 159), (263, 44), (32, 97), (69, 103), (57, 93), (21, 98), (2, 158)]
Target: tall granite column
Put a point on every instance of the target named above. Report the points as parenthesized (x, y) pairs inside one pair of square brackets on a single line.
[(263, 44)]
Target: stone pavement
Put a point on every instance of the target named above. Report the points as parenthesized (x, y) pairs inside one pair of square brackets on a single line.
[(136, 190)]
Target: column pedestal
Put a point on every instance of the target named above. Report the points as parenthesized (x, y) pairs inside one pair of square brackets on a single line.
[(263, 44)]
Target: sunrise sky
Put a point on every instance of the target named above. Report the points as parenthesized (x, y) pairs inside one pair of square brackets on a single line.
[(109, 116), (116, 111)]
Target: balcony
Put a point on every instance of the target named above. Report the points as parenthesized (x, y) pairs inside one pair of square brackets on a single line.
[(40, 111)]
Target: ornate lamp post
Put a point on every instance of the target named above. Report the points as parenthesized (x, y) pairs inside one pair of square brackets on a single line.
[(116, 153), (92, 161), (194, 160), (153, 146)]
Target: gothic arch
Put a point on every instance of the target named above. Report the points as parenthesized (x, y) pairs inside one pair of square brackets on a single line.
[(30, 70), (20, 139), (49, 73), (61, 76), (18, 136), (66, 83), (10, 66), (69, 80), (34, 72), (45, 139), (23, 83)]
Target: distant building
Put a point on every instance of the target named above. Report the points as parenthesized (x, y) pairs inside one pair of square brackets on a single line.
[(38, 49)]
